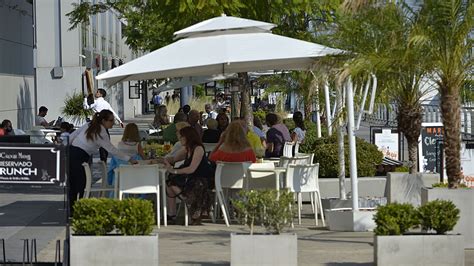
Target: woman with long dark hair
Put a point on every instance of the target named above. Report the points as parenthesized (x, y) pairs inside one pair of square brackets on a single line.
[(299, 132), (191, 180), (84, 142)]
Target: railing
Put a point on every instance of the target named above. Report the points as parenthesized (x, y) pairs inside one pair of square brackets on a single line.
[(386, 115)]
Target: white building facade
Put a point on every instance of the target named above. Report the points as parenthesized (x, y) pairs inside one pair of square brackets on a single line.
[(42, 61)]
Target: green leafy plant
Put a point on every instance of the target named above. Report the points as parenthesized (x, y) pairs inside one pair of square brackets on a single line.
[(439, 215), (402, 169), (445, 185), (102, 216), (94, 216), (395, 219), (325, 153), (74, 108), (264, 206), (277, 211), (135, 217)]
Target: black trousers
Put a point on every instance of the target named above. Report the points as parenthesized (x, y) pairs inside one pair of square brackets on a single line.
[(77, 175), (103, 153)]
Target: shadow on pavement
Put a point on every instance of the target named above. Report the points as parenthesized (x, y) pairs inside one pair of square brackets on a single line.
[(33, 213)]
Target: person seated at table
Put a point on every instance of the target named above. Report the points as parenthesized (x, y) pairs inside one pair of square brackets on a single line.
[(40, 120), (129, 145), (169, 133), (65, 129), (177, 146), (211, 134), (235, 146), (6, 128), (222, 122), (191, 180), (161, 117), (275, 137), (298, 134)]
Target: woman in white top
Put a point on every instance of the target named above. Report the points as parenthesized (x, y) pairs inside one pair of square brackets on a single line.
[(130, 145), (84, 142), (299, 132)]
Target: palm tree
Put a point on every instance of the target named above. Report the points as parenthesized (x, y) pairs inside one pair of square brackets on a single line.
[(378, 37), (445, 29)]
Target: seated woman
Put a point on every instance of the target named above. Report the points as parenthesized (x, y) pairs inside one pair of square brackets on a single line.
[(234, 147), (298, 134), (129, 145), (211, 134), (275, 137), (190, 182), (177, 146)]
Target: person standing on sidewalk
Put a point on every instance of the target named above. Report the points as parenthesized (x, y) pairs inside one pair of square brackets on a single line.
[(85, 141), (97, 106)]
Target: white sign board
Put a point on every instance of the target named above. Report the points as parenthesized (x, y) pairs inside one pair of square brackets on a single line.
[(467, 165), (387, 142)]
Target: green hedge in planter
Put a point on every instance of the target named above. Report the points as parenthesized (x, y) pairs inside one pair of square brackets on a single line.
[(439, 215), (325, 153), (102, 216), (397, 219)]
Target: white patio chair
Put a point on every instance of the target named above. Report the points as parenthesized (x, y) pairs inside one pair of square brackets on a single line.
[(140, 179), (302, 179), (89, 189), (228, 176), (297, 148), (288, 149), (260, 176), (299, 160), (310, 159)]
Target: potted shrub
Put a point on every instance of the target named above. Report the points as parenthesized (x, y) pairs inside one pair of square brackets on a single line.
[(74, 109), (395, 245), (113, 232), (463, 198), (274, 210)]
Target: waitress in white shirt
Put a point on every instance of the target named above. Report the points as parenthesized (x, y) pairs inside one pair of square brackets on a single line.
[(85, 141)]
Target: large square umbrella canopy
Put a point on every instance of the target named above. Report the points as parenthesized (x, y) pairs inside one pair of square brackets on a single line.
[(207, 50)]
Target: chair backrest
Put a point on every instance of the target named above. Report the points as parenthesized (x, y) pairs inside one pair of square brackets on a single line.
[(87, 188), (260, 180), (138, 179), (103, 166), (311, 156), (299, 160), (230, 174), (302, 178), (297, 147), (288, 149)]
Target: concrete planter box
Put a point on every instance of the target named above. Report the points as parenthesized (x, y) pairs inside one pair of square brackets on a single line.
[(464, 200), (350, 221), (405, 188), (264, 249), (419, 250), (113, 250)]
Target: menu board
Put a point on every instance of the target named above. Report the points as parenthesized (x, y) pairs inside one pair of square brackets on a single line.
[(429, 147), (387, 143), (31, 165)]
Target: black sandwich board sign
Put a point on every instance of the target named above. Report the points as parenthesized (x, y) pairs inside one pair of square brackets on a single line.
[(428, 150), (32, 164)]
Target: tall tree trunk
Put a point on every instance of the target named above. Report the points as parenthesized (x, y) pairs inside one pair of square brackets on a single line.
[(409, 119), (245, 108), (340, 144), (450, 110)]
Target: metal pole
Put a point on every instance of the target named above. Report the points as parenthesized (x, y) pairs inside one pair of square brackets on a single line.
[(328, 107), (352, 145), (318, 115)]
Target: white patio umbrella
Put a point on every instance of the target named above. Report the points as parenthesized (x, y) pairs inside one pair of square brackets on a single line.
[(221, 45)]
